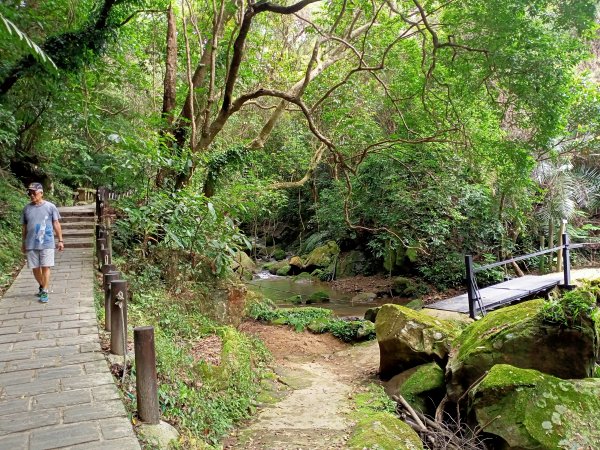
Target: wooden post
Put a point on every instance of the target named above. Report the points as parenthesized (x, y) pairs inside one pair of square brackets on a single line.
[(567, 261), (118, 317), (104, 258), (471, 294), (107, 278), (145, 375), (542, 260), (559, 257), (107, 268)]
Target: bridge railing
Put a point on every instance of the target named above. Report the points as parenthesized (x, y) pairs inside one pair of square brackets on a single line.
[(473, 293)]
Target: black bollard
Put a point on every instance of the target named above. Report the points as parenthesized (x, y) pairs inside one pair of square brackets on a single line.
[(107, 278)]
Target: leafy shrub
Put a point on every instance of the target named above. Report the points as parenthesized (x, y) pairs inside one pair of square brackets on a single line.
[(573, 307), (12, 202)]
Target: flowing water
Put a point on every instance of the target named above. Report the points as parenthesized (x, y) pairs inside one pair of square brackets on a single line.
[(280, 289)]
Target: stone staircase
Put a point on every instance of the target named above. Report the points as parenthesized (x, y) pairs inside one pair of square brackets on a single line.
[(77, 224)]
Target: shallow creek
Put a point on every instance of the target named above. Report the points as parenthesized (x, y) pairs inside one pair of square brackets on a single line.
[(280, 289)]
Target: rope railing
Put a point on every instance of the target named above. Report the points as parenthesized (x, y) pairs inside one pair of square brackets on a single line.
[(473, 293)]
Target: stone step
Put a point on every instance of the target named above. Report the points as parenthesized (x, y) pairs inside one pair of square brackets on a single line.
[(77, 225), (78, 232), (78, 242), (77, 218), (77, 213)]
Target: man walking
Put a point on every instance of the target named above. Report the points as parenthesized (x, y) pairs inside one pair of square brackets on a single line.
[(40, 222)]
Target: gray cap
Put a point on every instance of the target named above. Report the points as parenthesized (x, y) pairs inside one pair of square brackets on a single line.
[(35, 187)]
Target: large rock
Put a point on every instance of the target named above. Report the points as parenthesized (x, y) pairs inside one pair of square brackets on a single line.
[(243, 265), (351, 264), (408, 338), (518, 335), (323, 257), (531, 410), (383, 431), (423, 387)]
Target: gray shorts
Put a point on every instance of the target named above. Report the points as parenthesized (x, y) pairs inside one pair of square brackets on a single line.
[(40, 258)]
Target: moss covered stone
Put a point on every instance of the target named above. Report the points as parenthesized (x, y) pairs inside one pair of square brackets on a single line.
[(318, 297), (518, 335), (324, 256), (377, 427), (531, 410), (284, 270), (409, 338), (273, 267), (424, 388)]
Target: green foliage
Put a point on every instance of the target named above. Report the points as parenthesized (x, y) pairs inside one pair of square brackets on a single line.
[(183, 222), (203, 398), (317, 320), (11, 31), (572, 307), (12, 202)]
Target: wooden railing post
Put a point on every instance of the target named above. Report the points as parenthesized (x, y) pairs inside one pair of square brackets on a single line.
[(145, 375), (566, 260), (107, 278), (470, 276), (118, 317)]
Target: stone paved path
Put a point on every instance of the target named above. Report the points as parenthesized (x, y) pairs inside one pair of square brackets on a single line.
[(56, 390)]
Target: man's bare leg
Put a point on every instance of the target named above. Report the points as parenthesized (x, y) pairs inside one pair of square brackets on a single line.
[(45, 278), (38, 275)]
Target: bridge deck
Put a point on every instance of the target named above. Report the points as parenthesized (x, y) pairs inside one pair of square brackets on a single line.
[(502, 294)]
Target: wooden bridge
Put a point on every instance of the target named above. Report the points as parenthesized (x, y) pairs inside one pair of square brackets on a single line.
[(476, 302)]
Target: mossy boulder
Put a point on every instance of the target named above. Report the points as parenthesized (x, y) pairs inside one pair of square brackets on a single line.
[(531, 410), (364, 297), (284, 271), (278, 254), (407, 287), (423, 387), (318, 297), (296, 263), (377, 427), (351, 264), (323, 256), (384, 431), (371, 314), (518, 335), (409, 338), (275, 266), (243, 265)]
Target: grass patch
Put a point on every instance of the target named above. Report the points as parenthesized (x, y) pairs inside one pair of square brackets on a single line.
[(316, 320)]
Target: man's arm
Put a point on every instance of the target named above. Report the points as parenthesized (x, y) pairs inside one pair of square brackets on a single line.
[(23, 236), (58, 233)]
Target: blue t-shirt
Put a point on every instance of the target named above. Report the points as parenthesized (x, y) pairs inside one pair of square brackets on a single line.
[(39, 219)]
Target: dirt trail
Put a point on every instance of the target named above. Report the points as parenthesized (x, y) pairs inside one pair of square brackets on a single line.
[(322, 374)]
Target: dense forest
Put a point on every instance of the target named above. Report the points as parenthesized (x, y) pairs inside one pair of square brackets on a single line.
[(411, 131), (415, 132)]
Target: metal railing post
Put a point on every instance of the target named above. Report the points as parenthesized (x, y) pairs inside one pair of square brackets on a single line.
[(566, 261), (471, 294), (118, 317), (145, 375)]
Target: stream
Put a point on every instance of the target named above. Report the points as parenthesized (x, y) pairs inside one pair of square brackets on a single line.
[(279, 289)]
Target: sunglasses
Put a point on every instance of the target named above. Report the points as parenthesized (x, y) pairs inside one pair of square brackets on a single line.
[(32, 192)]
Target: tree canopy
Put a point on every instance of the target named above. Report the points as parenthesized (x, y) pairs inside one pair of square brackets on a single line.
[(406, 126)]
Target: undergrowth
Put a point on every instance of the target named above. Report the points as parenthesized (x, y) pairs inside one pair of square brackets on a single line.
[(12, 201), (203, 398), (316, 320), (572, 307)]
